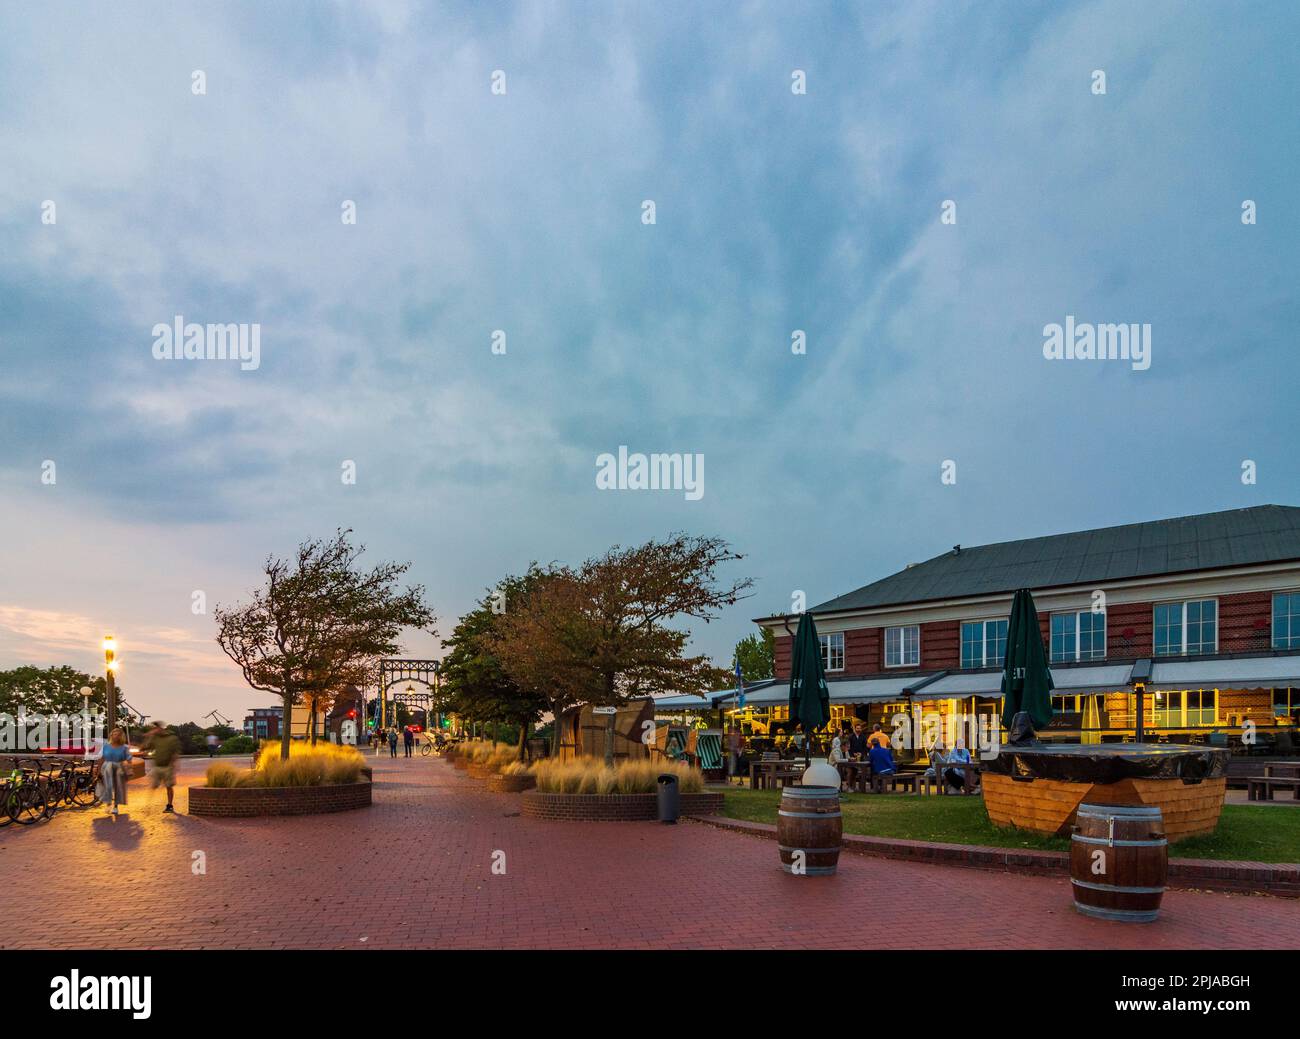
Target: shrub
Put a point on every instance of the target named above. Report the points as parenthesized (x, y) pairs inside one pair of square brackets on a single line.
[(517, 768), (321, 765), (589, 776), (238, 745)]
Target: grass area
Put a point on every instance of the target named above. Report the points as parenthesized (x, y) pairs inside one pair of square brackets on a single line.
[(1253, 833)]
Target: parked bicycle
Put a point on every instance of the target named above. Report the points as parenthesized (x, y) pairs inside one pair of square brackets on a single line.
[(22, 799)]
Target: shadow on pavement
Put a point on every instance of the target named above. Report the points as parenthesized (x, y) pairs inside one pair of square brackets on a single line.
[(121, 833)]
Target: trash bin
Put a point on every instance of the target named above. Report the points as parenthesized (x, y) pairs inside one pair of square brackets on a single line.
[(670, 799)]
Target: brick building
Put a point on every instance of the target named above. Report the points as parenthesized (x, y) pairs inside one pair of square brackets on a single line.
[(1204, 609)]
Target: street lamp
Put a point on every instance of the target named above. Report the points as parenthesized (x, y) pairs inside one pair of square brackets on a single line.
[(110, 667)]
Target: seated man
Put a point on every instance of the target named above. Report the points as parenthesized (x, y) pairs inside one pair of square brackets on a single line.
[(882, 760)]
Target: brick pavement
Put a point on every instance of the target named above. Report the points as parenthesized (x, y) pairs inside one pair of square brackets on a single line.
[(414, 871)]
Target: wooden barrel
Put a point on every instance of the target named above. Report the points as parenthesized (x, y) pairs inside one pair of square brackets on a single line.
[(1119, 861), (809, 822)]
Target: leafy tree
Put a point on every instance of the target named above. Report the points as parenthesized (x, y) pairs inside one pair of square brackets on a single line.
[(602, 634), (757, 655), (318, 623), (474, 683), (52, 690)]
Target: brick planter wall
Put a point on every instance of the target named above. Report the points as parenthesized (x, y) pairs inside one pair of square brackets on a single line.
[(610, 808), (245, 801), (480, 771), (460, 762), (500, 784)]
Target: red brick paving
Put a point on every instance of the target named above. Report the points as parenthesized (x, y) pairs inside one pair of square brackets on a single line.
[(414, 871)]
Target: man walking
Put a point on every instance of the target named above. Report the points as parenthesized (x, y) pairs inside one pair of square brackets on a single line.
[(166, 747)]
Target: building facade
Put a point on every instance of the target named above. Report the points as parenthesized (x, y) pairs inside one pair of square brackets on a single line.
[(1204, 611)]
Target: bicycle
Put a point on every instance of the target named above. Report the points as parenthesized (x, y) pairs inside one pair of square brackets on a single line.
[(22, 798)]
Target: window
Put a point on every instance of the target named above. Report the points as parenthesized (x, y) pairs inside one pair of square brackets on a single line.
[(983, 643), (1185, 707), (832, 650), (1286, 703), (1186, 627), (1286, 620), (1078, 636), (902, 646), (1065, 704)]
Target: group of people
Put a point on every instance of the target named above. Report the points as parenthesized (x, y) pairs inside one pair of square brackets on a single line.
[(160, 768), (388, 738), (859, 745)]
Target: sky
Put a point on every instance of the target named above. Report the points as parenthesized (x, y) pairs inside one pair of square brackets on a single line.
[(499, 158)]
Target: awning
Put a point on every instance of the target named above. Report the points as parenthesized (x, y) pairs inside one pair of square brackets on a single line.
[(682, 703), (862, 690), (1233, 673), (1097, 678)]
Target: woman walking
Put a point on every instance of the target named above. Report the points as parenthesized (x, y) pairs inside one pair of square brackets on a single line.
[(116, 755)]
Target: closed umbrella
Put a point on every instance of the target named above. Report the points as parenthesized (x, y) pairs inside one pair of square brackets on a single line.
[(810, 700), (1026, 679)]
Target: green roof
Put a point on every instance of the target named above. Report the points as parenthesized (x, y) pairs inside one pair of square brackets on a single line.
[(1239, 537)]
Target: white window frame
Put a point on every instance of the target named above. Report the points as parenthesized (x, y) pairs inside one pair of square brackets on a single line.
[(984, 642), (1272, 619), (826, 649), (1183, 602), (1105, 634), (902, 629)]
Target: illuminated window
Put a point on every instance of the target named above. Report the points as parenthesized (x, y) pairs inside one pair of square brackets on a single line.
[(1078, 636), (902, 646), (832, 650), (1184, 707), (1186, 627), (983, 643), (1286, 620)]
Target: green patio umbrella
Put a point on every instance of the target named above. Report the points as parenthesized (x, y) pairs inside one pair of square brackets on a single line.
[(810, 700), (1026, 680)]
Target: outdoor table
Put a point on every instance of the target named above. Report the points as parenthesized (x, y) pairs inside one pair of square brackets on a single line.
[(760, 772), (859, 772), (969, 770)]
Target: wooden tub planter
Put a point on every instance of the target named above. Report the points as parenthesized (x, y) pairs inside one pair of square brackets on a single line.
[(610, 808), (1041, 788), (512, 784), (247, 801)]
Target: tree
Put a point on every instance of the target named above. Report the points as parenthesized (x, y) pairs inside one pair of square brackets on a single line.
[(52, 690), (318, 622), (475, 684), (756, 655), (601, 634)]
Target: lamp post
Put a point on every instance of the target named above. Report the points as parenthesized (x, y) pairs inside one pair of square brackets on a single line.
[(110, 665), (1140, 693)]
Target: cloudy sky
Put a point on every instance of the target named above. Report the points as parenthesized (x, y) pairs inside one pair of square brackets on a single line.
[(522, 211)]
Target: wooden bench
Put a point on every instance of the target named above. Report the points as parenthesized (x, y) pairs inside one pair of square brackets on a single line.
[(893, 780), (1260, 788)]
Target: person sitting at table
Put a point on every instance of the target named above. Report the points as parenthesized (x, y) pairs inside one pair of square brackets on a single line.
[(956, 777), (882, 760), (936, 759), (879, 737)]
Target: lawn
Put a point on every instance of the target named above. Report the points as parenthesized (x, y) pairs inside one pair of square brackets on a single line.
[(1254, 833)]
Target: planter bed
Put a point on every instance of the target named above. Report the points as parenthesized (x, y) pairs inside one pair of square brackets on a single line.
[(246, 801), (610, 808), (460, 763), (501, 784), (481, 771)]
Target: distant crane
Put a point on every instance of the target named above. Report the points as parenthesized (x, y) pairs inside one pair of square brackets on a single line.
[(219, 718)]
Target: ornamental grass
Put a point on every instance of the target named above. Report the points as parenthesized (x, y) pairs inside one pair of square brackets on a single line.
[(324, 764), (592, 776)]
